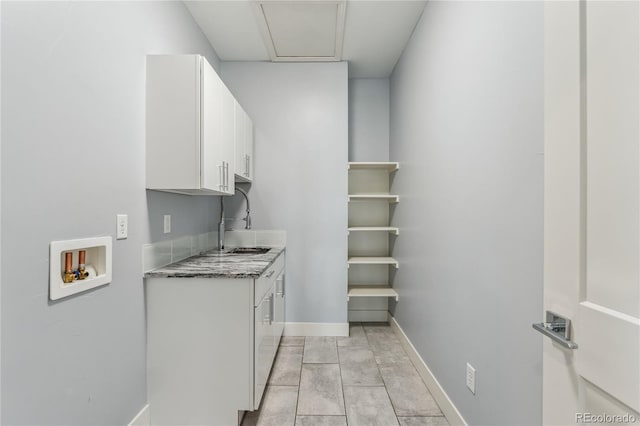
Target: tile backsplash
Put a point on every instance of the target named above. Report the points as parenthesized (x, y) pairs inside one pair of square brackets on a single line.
[(162, 253)]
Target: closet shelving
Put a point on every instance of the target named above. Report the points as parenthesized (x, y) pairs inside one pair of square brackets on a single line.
[(361, 165), (370, 261), (391, 229), (378, 291), (373, 260)]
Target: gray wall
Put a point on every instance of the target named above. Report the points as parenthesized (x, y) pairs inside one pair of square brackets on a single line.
[(73, 90), (467, 129), (369, 119), (300, 115), (0, 220)]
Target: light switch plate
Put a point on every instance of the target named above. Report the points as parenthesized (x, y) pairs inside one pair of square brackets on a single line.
[(471, 378), (122, 226), (167, 223)]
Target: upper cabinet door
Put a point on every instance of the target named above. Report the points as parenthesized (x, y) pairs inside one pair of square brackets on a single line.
[(241, 152), (189, 127), (218, 144), (244, 145), (248, 143)]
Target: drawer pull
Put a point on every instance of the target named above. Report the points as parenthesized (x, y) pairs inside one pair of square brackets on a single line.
[(268, 315), (280, 286)]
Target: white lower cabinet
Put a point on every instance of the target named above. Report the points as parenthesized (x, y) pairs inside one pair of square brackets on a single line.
[(279, 304), (211, 344), (264, 347)]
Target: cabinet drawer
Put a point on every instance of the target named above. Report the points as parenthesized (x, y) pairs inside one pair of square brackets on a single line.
[(266, 280)]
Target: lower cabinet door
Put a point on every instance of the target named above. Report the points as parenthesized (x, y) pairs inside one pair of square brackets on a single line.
[(279, 309), (263, 346)]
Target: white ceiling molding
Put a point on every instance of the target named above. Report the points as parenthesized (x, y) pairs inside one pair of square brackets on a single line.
[(302, 30)]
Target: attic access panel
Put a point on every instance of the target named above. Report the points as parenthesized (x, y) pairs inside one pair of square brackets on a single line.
[(302, 30)]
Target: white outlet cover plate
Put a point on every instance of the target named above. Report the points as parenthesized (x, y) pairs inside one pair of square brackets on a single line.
[(122, 226)]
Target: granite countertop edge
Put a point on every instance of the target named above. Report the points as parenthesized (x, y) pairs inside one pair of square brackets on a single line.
[(219, 264)]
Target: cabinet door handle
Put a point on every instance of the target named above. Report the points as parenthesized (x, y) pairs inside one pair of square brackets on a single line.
[(226, 176), (266, 319), (221, 176), (226, 184), (248, 166), (270, 273), (273, 309), (280, 286)]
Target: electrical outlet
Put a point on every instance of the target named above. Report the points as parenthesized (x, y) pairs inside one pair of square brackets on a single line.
[(167, 223), (471, 378), (122, 226)]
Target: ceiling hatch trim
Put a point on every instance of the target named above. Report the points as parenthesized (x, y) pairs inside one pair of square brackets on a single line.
[(302, 30)]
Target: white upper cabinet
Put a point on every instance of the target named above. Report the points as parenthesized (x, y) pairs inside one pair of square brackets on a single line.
[(190, 130), (244, 145)]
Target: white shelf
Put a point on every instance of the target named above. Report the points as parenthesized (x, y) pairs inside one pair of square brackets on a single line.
[(373, 261), (391, 229), (372, 197), (371, 291), (389, 166)]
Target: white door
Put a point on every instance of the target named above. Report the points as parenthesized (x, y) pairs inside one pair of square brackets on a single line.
[(248, 143), (279, 306), (212, 146), (241, 150), (592, 210), (263, 346), (218, 129), (228, 138)]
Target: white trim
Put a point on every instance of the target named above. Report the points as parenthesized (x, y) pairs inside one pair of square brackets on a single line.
[(446, 405), (142, 418), (316, 329)]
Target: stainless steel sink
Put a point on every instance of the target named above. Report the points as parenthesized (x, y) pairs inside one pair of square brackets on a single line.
[(250, 250)]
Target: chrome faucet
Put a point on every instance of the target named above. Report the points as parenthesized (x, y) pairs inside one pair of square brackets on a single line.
[(248, 217)]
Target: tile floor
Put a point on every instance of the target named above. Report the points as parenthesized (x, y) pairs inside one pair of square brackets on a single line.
[(365, 379)]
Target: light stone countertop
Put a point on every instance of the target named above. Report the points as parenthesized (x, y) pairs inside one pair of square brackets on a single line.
[(218, 264)]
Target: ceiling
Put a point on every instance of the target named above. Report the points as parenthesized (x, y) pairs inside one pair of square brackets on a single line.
[(370, 35)]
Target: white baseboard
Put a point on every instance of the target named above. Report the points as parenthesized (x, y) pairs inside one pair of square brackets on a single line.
[(142, 418), (316, 329), (446, 405)]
